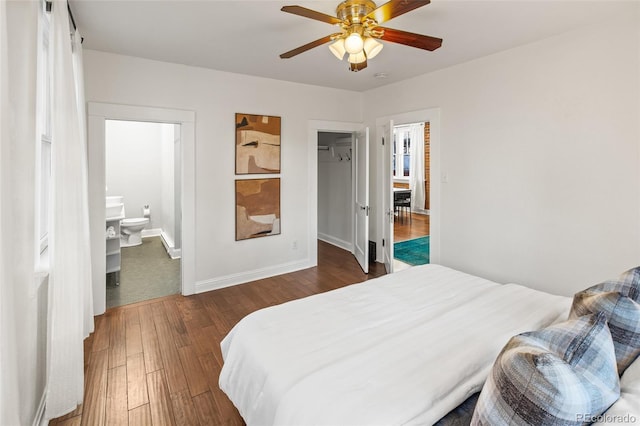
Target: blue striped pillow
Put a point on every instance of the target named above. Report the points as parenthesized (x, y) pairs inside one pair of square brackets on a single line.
[(620, 301), (560, 375)]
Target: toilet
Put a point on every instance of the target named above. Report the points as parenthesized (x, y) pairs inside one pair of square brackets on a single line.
[(131, 230)]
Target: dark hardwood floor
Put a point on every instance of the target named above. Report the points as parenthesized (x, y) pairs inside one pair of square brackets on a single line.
[(408, 230), (157, 362)]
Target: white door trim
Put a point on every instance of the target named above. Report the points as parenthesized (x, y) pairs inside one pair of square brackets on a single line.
[(98, 113), (432, 116), (314, 127), (385, 132)]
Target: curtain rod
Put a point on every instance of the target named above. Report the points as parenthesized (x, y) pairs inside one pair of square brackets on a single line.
[(49, 4)]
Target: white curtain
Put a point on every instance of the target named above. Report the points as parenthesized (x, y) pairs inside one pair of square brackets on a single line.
[(70, 299), (417, 167), (82, 122), (9, 403)]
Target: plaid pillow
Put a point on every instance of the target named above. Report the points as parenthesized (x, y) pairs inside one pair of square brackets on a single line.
[(628, 284), (620, 301), (562, 375)]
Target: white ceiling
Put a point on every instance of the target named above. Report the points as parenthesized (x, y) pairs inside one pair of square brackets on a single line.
[(247, 36)]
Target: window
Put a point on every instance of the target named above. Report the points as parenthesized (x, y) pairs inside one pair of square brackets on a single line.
[(401, 152), (43, 137)]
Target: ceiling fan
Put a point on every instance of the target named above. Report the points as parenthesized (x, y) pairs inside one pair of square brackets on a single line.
[(359, 22)]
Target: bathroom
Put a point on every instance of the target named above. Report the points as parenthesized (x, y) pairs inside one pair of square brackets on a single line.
[(142, 164)]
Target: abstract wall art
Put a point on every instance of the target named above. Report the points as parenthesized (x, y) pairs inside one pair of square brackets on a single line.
[(257, 208), (257, 144)]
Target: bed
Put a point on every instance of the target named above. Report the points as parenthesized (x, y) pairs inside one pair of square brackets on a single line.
[(405, 348)]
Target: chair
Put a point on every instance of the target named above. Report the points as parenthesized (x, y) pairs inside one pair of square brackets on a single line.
[(402, 203)]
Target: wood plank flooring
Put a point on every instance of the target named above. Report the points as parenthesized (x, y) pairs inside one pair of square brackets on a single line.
[(157, 362), (408, 230)]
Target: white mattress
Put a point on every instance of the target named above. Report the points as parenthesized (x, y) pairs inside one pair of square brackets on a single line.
[(404, 348)]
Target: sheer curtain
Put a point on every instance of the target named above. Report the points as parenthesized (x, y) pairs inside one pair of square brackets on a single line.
[(70, 304), (9, 404), (416, 182), (82, 122)]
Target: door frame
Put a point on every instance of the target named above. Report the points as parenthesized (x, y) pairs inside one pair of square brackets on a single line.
[(431, 115), (347, 242), (98, 113), (314, 127), (385, 132)]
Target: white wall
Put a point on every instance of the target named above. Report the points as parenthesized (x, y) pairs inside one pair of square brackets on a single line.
[(167, 151), (335, 194), (215, 97), (177, 186), (138, 174), (541, 145)]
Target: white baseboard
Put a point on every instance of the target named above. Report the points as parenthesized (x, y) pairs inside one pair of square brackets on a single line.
[(345, 245), (173, 252), (257, 274), (155, 232)]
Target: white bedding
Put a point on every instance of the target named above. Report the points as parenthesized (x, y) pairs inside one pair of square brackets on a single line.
[(404, 348)]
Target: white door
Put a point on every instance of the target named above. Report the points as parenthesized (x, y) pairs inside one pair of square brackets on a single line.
[(387, 196), (361, 198)]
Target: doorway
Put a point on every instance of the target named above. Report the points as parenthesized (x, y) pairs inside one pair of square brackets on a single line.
[(385, 130), (335, 195), (359, 201), (98, 114), (410, 175), (142, 172)]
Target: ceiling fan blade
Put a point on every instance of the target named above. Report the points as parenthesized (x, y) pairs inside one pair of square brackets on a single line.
[(308, 13), (301, 49), (395, 8), (410, 39)]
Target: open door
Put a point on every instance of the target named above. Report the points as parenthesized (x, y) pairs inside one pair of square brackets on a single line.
[(387, 196), (361, 199)]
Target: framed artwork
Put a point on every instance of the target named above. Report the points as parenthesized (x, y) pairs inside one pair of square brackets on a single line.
[(257, 208), (257, 144)]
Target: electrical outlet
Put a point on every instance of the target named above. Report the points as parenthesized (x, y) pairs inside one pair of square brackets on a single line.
[(294, 245)]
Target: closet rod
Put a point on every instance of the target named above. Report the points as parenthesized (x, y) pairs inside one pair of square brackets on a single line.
[(49, 4)]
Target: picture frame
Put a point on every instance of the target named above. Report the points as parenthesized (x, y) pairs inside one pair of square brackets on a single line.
[(257, 208), (257, 144)]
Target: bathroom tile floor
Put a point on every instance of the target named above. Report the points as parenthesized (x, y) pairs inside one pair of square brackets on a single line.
[(147, 272)]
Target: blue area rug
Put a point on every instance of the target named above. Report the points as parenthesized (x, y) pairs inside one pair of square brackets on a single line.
[(414, 252)]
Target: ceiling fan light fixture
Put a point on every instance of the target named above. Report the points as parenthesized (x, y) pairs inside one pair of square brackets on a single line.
[(358, 23), (372, 47), (337, 48), (353, 43), (357, 58), (358, 67)]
